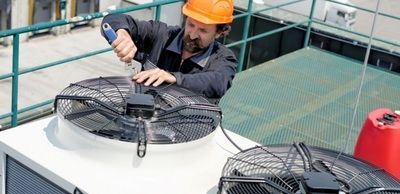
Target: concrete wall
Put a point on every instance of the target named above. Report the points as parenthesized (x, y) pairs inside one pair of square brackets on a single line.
[(20, 16), (5, 8)]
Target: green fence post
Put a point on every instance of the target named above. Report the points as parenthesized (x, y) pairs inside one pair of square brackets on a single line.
[(245, 35), (15, 70), (158, 13), (310, 19)]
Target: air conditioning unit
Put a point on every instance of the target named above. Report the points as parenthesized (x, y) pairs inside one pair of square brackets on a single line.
[(114, 136), (302, 169)]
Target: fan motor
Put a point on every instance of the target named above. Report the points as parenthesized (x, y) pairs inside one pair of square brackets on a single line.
[(140, 105)]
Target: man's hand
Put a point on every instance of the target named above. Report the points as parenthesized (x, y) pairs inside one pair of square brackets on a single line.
[(155, 77), (124, 46)]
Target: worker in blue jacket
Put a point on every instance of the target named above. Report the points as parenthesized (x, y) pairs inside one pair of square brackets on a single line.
[(190, 56)]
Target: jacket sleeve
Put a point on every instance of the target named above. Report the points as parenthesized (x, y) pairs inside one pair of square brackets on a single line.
[(215, 81), (145, 34)]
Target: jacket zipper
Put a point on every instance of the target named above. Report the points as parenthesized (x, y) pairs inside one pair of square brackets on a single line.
[(180, 65)]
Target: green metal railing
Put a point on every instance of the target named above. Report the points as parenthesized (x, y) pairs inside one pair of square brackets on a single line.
[(16, 71)]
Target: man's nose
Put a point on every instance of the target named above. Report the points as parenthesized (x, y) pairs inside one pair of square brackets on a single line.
[(193, 34)]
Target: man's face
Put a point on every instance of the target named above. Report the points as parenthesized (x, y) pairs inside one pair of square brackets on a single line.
[(197, 35)]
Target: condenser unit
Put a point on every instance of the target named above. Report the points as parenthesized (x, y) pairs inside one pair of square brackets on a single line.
[(111, 135)]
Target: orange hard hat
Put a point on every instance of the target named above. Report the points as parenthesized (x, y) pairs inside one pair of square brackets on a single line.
[(209, 11)]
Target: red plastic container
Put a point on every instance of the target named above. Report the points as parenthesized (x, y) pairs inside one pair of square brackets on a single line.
[(379, 140)]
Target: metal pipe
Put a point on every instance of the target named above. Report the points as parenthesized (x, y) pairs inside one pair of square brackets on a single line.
[(41, 104), (244, 37), (59, 62), (158, 13), (5, 115), (361, 86), (55, 63), (14, 90), (29, 108), (310, 20)]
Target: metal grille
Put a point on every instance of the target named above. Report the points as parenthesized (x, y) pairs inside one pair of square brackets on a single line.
[(99, 106), (279, 169), (21, 179), (307, 95)]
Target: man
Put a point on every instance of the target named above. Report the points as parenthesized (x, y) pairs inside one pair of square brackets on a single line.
[(189, 57)]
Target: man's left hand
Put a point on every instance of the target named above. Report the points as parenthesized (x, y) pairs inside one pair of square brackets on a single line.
[(155, 77)]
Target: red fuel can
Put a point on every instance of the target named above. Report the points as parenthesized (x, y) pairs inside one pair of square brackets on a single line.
[(379, 140)]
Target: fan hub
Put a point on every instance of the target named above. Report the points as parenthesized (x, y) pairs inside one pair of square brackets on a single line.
[(319, 182), (140, 105)]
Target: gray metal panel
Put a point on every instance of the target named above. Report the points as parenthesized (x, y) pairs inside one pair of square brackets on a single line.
[(42, 12), (22, 179), (5, 13), (82, 7)]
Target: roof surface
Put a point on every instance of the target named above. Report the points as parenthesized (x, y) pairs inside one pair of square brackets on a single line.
[(307, 95)]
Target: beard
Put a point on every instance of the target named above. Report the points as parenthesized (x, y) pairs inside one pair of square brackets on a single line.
[(191, 46)]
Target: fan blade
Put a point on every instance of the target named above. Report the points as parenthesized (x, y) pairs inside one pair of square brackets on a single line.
[(85, 99)]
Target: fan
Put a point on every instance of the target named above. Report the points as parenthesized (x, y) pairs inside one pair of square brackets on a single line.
[(117, 108), (298, 168)]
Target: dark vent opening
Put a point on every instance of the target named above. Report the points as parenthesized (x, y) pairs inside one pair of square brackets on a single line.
[(19, 178)]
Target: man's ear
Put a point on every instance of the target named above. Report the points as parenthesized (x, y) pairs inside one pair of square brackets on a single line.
[(218, 35), (224, 32)]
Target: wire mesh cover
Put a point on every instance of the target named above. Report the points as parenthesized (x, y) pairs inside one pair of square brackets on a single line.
[(100, 106), (279, 169)]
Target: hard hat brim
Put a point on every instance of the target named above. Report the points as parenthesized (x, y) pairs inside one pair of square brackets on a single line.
[(204, 19)]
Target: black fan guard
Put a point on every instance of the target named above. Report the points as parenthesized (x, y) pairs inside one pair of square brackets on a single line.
[(281, 169), (168, 114)]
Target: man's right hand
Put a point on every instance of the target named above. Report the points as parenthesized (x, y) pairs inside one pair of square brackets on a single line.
[(124, 46)]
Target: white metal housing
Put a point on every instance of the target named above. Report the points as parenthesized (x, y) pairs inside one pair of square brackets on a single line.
[(73, 158)]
